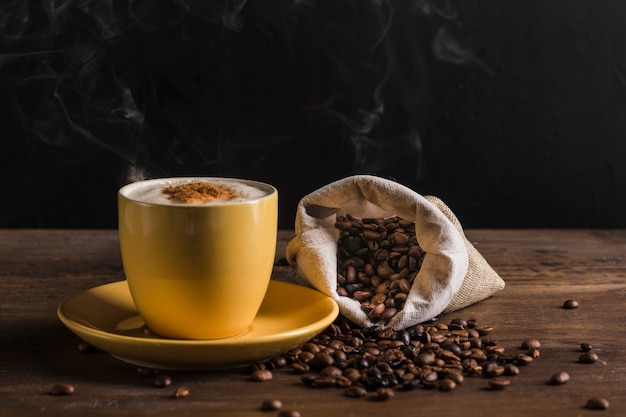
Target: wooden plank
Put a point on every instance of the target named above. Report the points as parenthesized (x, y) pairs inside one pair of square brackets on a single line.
[(542, 268)]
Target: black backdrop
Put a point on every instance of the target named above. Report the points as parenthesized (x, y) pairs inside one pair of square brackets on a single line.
[(513, 112)]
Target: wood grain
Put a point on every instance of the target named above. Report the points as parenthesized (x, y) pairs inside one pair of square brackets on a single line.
[(541, 268)]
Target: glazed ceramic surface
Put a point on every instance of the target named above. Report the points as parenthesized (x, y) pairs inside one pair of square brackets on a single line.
[(106, 317), (198, 271)]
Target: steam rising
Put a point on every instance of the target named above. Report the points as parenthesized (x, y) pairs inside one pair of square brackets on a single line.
[(203, 86)]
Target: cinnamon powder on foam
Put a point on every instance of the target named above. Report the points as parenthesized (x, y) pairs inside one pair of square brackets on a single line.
[(197, 192)]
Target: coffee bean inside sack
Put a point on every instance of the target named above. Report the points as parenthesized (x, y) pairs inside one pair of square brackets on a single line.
[(377, 262)]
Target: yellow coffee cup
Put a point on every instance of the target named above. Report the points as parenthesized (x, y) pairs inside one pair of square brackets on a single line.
[(198, 270)]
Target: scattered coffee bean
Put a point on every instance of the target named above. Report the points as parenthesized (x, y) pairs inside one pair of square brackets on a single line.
[(162, 381), (511, 370), (588, 357), (484, 330), (383, 394), (570, 304), (355, 392), (279, 362), (288, 413), (455, 376), (523, 359), (531, 343), (261, 375), (533, 353), (85, 347), (322, 360), (499, 383), (271, 405), (257, 365), (181, 392), (323, 382), (458, 323), (597, 403), (300, 368), (447, 384), (381, 360), (61, 389), (494, 370), (307, 380), (559, 378), (585, 347)]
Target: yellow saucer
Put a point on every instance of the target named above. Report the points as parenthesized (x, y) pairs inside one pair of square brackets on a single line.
[(106, 317)]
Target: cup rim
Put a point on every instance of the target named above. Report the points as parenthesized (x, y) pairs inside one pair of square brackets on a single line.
[(126, 189)]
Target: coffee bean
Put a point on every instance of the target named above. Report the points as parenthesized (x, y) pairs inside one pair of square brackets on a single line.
[(585, 347), (447, 384), (388, 314), (343, 382), (399, 239), (271, 405), (523, 359), (511, 370), (455, 375), (331, 371), (361, 360), (308, 379), (471, 323), (533, 353), (279, 362), (288, 413), (181, 392), (497, 350), (597, 403), (383, 394), (342, 292), (376, 312), (377, 261), (61, 389), (531, 343), (261, 375), (458, 323), (306, 357), (559, 378), (484, 330), (300, 368), (425, 358), (494, 371), (498, 383), (588, 357), (162, 381), (85, 347), (355, 392), (570, 304), (322, 360), (363, 295), (323, 382)]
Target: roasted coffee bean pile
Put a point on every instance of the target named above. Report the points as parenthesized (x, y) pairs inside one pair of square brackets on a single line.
[(376, 362), (377, 261)]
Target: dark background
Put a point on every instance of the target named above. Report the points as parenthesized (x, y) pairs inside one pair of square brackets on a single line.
[(513, 112)]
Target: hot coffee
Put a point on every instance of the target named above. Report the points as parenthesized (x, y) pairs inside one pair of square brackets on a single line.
[(198, 190), (198, 252)]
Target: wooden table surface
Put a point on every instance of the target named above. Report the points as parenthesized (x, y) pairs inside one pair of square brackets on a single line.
[(542, 268)]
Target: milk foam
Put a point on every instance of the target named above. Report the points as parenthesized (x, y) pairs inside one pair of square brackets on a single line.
[(149, 191)]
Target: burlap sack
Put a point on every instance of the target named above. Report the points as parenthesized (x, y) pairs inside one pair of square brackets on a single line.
[(453, 273)]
